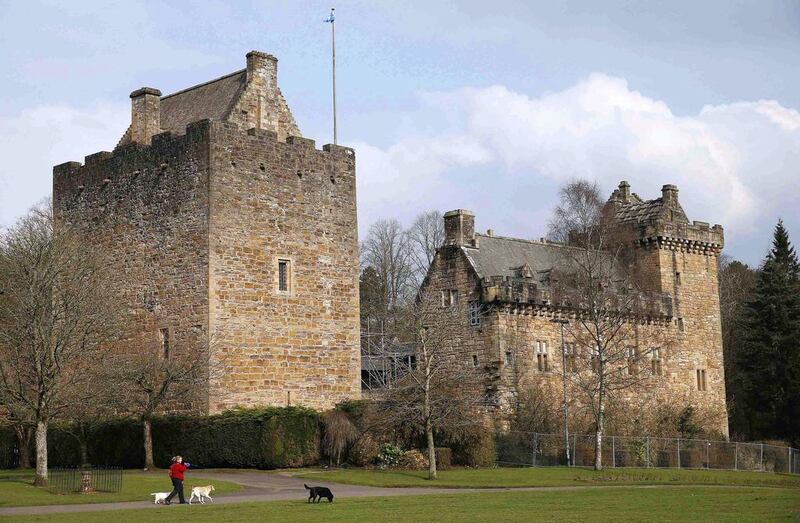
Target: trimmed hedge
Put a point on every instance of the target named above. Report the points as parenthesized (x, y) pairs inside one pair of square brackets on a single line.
[(264, 438)]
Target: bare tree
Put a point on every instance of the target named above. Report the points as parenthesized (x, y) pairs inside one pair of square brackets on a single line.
[(157, 377), (425, 236), (610, 329), (57, 311), (386, 249), (436, 389)]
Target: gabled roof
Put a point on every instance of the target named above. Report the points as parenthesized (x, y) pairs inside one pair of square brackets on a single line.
[(212, 100), (510, 257)]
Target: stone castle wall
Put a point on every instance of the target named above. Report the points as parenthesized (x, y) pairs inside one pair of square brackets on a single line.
[(145, 209), (272, 200)]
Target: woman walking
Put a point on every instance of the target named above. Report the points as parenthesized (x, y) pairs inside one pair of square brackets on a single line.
[(176, 471)]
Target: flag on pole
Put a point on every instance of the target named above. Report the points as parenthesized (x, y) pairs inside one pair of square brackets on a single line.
[(331, 18)]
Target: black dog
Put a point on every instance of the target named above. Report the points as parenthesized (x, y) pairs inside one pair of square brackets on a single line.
[(317, 493)]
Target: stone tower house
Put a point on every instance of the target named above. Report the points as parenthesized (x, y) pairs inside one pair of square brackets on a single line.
[(510, 337), (226, 225)]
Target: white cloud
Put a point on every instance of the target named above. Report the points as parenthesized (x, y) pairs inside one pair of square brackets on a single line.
[(40, 137), (733, 163)]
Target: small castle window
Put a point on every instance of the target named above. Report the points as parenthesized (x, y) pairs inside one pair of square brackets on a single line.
[(541, 356), (284, 275), (474, 313), (701, 380), (453, 297), (680, 325), (164, 334), (594, 359), (655, 361), (632, 355), (509, 358), (677, 278), (474, 360), (572, 352)]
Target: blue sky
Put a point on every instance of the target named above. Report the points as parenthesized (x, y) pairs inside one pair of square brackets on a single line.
[(486, 106)]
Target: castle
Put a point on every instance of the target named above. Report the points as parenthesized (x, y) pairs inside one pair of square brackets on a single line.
[(508, 332), (225, 224)]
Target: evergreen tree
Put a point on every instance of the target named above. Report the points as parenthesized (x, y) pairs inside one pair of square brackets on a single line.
[(769, 364)]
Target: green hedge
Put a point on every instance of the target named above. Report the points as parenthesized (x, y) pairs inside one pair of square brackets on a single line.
[(244, 438)]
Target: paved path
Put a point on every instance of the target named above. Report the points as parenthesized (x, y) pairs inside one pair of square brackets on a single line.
[(261, 486)]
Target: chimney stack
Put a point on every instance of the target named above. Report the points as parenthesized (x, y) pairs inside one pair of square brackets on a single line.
[(669, 194), (263, 68), (459, 228), (145, 114), (625, 191)]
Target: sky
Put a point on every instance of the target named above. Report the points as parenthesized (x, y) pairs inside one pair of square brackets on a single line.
[(487, 106)]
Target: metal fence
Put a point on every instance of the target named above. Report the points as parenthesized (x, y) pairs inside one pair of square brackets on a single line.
[(90, 479), (547, 450), (9, 456)]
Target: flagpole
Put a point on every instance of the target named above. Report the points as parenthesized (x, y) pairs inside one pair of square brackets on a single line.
[(332, 21)]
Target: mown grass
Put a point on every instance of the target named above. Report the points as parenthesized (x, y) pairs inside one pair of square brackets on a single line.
[(17, 490), (617, 504), (545, 477)]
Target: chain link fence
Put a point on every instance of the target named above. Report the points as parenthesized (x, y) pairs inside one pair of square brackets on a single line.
[(548, 450)]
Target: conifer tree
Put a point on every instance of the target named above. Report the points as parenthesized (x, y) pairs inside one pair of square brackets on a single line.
[(770, 360)]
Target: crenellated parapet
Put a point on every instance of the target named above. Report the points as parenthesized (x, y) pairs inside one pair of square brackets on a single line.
[(695, 238)]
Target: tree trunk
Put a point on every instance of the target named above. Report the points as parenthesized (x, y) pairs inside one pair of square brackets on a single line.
[(148, 444), (598, 438), (84, 448), (41, 454), (24, 442), (431, 450)]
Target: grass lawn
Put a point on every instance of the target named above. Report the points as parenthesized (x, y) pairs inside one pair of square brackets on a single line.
[(555, 476), (618, 504), (16, 489)]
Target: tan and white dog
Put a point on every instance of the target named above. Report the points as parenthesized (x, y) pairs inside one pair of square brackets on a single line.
[(160, 497), (201, 493)]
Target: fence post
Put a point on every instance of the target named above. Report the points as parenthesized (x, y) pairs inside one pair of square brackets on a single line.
[(762, 457), (708, 452), (679, 452), (790, 459), (613, 454), (574, 447), (648, 452), (736, 456), (535, 442)]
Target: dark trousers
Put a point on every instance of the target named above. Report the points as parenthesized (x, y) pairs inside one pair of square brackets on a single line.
[(177, 488)]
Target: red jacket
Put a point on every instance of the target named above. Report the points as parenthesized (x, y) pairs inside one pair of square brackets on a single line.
[(176, 470)]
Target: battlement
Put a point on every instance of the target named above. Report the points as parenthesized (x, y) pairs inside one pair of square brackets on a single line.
[(138, 158), (696, 237)]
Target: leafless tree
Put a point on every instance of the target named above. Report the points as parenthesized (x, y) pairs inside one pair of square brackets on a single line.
[(339, 434), (386, 249), (610, 329), (438, 389), (425, 236), (57, 312), (153, 379)]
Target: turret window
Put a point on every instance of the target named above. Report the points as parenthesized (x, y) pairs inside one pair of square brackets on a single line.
[(655, 361), (474, 313)]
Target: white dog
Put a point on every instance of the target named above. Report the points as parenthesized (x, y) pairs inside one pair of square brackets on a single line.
[(160, 497), (202, 492)]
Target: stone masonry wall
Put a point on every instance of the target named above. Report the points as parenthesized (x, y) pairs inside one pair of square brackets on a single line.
[(145, 209), (272, 200)]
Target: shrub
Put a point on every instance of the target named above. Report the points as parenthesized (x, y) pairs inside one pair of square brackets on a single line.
[(389, 455), (365, 451), (243, 438), (444, 458), (413, 460)]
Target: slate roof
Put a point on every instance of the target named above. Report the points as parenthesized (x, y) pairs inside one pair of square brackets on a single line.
[(212, 100), (642, 211), (501, 256)]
